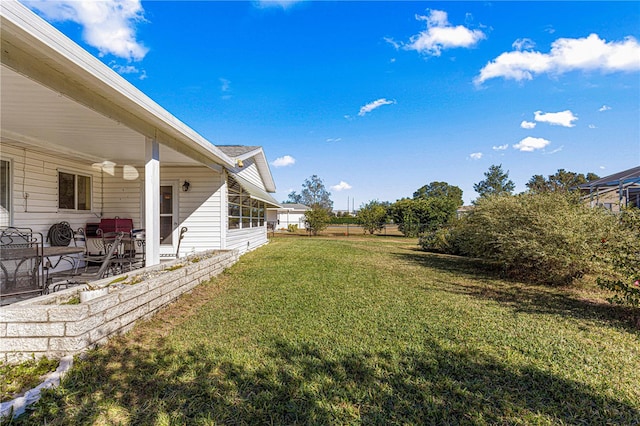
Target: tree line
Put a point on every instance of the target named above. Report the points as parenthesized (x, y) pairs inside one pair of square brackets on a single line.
[(432, 206)]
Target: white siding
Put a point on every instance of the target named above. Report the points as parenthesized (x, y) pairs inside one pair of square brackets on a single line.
[(290, 218), (117, 191), (250, 173), (246, 239), (200, 209), (123, 189), (35, 189)]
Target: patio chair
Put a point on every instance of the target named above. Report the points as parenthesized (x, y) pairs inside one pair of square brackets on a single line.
[(100, 273), (21, 255)]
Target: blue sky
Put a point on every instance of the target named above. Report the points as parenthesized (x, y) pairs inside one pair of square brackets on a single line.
[(380, 98)]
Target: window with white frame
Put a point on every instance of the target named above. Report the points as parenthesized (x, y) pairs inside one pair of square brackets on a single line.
[(244, 212), (5, 193), (74, 191)]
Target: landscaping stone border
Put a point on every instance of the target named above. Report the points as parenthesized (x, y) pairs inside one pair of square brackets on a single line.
[(46, 326)]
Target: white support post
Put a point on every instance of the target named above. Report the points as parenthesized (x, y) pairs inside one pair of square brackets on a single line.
[(152, 201)]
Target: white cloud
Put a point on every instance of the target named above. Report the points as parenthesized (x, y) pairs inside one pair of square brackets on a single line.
[(285, 4), (604, 108), (334, 139), (523, 44), (373, 105), (287, 160), (563, 118), (529, 144), (501, 147), (475, 155), (440, 35), (225, 85), (109, 26), (527, 124), (567, 54), (124, 69), (554, 151), (592, 126), (342, 186)]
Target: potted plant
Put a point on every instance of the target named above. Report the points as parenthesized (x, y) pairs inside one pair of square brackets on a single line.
[(90, 292)]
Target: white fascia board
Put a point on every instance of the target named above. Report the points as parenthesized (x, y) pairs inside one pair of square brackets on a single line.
[(45, 44)]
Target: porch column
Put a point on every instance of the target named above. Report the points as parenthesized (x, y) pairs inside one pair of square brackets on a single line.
[(152, 201)]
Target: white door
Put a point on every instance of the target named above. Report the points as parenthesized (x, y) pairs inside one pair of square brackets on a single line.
[(168, 218)]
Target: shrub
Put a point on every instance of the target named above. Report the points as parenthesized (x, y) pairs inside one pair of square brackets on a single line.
[(624, 255), (372, 216), (292, 227), (421, 215), (549, 238), (316, 219), (442, 240)]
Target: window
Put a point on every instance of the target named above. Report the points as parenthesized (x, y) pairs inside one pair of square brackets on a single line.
[(244, 212), (5, 193), (74, 191)]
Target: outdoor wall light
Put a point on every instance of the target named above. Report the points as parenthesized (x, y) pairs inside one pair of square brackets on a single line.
[(185, 186), (239, 163)]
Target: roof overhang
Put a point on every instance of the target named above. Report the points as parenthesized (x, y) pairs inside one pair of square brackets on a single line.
[(58, 96), (255, 192)]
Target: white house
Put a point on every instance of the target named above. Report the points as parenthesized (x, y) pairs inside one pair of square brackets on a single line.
[(287, 214), (79, 143)]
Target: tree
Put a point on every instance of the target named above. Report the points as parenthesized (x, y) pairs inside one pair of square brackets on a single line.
[(372, 216), (497, 182), (440, 189), (561, 181), (316, 219), (313, 194), (419, 215)]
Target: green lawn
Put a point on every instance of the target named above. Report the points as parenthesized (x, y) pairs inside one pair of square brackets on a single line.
[(361, 331)]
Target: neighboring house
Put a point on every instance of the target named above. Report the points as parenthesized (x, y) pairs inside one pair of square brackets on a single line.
[(80, 143), (618, 190), (287, 214), (463, 211)]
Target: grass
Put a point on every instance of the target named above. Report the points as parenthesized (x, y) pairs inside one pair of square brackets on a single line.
[(14, 379), (361, 331)]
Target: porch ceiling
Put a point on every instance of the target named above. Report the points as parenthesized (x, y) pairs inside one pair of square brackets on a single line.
[(36, 116)]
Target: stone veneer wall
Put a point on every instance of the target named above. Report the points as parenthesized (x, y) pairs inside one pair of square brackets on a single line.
[(44, 327)]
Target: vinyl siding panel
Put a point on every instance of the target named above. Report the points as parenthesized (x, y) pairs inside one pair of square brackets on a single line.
[(118, 191), (200, 209), (246, 239), (34, 190), (250, 173)]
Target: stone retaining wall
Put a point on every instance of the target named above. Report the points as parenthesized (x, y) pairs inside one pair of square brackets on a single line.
[(45, 326)]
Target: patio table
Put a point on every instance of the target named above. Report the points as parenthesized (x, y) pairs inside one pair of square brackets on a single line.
[(36, 254)]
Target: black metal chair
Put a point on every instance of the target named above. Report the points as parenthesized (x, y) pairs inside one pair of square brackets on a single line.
[(21, 257), (105, 266)]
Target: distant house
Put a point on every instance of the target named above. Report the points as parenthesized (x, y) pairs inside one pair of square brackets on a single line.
[(287, 214), (615, 191), (80, 144), (463, 211)]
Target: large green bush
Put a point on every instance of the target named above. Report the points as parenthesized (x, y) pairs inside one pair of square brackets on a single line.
[(548, 238), (624, 256)]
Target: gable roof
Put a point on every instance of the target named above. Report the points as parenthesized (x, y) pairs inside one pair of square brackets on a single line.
[(624, 177), (242, 152), (295, 206), (237, 151)]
